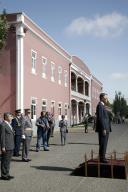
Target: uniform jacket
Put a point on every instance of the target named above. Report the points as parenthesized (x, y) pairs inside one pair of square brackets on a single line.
[(102, 119), (6, 136), (26, 123), (16, 124)]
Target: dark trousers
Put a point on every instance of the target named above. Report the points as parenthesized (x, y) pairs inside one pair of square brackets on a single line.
[(103, 141), (5, 163), (26, 147), (63, 137), (17, 144), (48, 135), (41, 137)]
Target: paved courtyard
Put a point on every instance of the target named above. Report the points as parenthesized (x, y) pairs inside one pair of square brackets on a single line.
[(50, 171)]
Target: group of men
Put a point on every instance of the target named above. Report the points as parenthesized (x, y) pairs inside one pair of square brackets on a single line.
[(17, 130), (20, 129), (12, 131)]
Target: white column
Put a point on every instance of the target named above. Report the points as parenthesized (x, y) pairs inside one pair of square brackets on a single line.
[(77, 111), (76, 85), (84, 88), (20, 63)]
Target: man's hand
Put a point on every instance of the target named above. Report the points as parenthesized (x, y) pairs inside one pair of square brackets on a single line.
[(3, 150), (104, 132), (23, 136)]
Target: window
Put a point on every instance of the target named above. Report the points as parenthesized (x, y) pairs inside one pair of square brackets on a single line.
[(44, 63), (66, 109), (52, 71), (33, 56), (33, 108), (44, 105), (65, 78), (53, 107), (59, 74), (59, 108)]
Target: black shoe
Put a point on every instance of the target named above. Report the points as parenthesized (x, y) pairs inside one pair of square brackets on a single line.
[(11, 177), (25, 160), (5, 178), (29, 159), (103, 160), (37, 150), (46, 149)]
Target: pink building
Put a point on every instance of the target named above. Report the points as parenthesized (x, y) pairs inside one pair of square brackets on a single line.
[(37, 73)]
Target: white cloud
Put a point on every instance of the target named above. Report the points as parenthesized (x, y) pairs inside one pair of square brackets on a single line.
[(110, 25), (119, 76)]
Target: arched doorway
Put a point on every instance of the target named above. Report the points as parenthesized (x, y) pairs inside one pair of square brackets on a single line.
[(73, 112), (87, 108), (81, 111)]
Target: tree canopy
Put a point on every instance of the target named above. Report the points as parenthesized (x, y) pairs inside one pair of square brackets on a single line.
[(120, 105), (3, 29)]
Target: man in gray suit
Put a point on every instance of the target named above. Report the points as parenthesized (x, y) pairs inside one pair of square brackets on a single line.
[(7, 145), (102, 126), (26, 134)]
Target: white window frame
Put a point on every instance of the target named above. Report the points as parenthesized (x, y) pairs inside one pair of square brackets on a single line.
[(33, 109), (59, 74), (44, 105), (53, 106), (66, 109), (33, 60), (44, 66), (65, 78), (59, 107), (52, 71)]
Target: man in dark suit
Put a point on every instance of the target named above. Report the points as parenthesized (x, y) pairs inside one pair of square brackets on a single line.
[(102, 126), (16, 124), (7, 145)]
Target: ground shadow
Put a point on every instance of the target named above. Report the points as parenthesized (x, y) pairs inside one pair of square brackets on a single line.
[(49, 168), (83, 143), (17, 160)]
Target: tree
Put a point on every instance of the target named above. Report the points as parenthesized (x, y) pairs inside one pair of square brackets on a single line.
[(3, 29), (120, 105)]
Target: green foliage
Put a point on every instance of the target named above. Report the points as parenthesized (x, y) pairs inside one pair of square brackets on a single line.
[(3, 29), (120, 105)]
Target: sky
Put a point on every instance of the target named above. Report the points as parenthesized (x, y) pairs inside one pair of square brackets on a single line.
[(94, 30)]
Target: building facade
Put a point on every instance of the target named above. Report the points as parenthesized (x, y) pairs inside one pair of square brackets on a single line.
[(37, 73)]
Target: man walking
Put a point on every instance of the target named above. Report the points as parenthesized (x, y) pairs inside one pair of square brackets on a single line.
[(42, 129), (102, 126), (7, 146)]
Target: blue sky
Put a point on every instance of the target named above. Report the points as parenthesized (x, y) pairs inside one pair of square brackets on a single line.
[(94, 30)]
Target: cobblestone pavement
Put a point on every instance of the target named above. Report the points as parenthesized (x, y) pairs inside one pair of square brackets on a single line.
[(49, 171)]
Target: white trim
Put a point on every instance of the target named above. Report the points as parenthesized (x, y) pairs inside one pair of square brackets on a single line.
[(65, 78), (80, 71), (59, 74), (20, 63), (35, 104), (44, 40), (33, 69), (80, 96), (52, 68), (47, 36), (43, 66)]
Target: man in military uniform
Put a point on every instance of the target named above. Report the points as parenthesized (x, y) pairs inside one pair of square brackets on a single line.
[(16, 124), (26, 134)]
